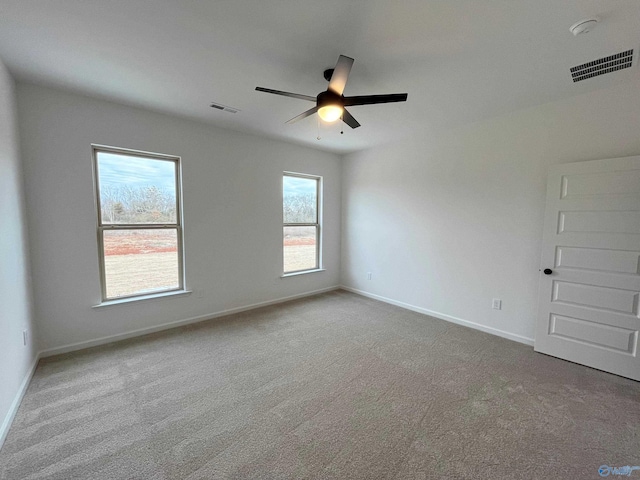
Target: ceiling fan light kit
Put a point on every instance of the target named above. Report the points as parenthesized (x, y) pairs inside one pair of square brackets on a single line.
[(330, 113), (330, 103), (330, 106)]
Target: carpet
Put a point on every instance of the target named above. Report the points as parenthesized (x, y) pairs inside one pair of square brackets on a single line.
[(335, 386)]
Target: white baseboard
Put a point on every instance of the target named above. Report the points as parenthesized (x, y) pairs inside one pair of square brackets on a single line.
[(178, 323), (483, 328), (13, 409)]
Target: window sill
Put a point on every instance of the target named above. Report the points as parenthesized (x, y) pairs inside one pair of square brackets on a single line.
[(303, 272), (152, 296)]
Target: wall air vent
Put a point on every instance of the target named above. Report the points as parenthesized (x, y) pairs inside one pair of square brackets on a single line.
[(224, 108), (601, 66)]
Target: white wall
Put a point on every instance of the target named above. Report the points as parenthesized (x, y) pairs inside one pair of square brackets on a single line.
[(16, 359), (447, 221), (232, 213)]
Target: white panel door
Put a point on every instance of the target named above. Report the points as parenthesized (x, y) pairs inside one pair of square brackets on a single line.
[(590, 271)]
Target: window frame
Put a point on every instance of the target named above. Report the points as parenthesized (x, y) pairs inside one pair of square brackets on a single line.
[(317, 224), (102, 227)]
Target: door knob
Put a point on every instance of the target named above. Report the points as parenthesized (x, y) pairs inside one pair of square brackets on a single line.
[(547, 271)]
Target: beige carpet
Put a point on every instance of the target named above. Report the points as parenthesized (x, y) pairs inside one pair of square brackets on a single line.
[(336, 386)]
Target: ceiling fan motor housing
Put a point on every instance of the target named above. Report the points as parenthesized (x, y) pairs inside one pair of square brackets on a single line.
[(329, 98)]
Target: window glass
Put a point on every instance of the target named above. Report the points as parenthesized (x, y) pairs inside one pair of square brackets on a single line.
[(140, 262), (300, 200), (136, 190), (300, 248), (139, 227), (301, 226)]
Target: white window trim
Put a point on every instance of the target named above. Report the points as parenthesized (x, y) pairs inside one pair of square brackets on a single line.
[(318, 224), (153, 296), (101, 228), (302, 272)]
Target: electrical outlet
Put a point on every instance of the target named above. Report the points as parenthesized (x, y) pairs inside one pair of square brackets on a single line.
[(199, 293), (25, 337), (497, 304), (368, 275)]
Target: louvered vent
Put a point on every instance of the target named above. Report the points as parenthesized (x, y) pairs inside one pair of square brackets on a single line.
[(224, 108), (601, 66)]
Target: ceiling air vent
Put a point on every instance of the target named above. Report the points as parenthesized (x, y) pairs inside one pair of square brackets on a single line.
[(224, 108), (601, 66)]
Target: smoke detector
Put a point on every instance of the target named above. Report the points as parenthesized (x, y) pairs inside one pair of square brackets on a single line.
[(583, 26)]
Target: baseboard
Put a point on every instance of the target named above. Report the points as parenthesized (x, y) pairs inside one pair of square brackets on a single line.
[(13, 409), (178, 323), (442, 316)]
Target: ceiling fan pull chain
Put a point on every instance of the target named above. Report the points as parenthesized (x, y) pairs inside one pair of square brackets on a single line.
[(318, 137)]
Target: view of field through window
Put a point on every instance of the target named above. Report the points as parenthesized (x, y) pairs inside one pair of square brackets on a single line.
[(300, 230), (136, 194)]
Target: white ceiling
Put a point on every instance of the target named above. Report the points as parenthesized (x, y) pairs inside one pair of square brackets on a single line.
[(459, 61)]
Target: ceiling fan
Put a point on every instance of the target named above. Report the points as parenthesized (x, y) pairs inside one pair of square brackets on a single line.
[(330, 103)]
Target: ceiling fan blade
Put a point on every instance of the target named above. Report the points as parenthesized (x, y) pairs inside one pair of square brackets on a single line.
[(309, 112), (340, 74), (348, 119), (287, 94), (372, 99)]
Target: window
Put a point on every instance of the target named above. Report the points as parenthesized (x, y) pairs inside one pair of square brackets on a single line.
[(301, 201), (139, 222)]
